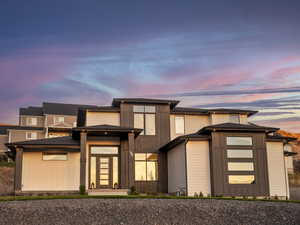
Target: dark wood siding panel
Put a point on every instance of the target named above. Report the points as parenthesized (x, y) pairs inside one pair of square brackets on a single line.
[(147, 186), (219, 167), (124, 164), (18, 170), (147, 143)]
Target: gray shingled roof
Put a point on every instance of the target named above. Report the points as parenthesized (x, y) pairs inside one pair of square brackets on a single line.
[(117, 101), (185, 110), (105, 127), (180, 139), (63, 109), (65, 141), (237, 127), (4, 128), (31, 111)]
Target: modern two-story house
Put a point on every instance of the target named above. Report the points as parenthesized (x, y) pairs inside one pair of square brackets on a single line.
[(156, 147)]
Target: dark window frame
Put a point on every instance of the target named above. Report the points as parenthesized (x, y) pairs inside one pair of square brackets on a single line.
[(144, 113)]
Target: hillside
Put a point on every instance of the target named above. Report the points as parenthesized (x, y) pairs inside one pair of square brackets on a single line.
[(6, 180)]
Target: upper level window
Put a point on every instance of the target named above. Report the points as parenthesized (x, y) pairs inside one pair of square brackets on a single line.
[(245, 141), (144, 118), (234, 118), (31, 135), (59, 119), (31, 121), (179, 124), (47, 156)]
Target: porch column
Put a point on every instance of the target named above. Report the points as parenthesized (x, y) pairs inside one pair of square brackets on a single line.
[(18, 169), (130, 159), (83, 138)]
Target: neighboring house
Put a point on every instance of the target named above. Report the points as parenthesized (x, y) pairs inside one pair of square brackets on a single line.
[(157, 148), (49, 120)]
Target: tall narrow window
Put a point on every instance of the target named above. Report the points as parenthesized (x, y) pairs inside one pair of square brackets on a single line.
[(146, 167), (144, 118), (179, 124)]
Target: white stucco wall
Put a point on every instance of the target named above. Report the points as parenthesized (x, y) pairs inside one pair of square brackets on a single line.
[(277, 170), (224, 118), (100, 118), (289, 159), (198, 167), (40, 175), (192, 123), (176, 168)]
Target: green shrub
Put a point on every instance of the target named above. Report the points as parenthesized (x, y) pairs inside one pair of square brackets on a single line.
[(133, 191), (196, 195), (82, 189), (201, 194), (7, 164)]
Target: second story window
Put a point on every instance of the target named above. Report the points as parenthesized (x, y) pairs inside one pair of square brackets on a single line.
[(179, 124), (234, 118), (59, 119), (31, 135), (31, 121), (144, 118)]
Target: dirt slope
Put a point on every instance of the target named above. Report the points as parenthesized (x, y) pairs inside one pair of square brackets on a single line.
[(6, 180)]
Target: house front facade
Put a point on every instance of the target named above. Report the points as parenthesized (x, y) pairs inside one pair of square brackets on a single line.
[(156, 147)]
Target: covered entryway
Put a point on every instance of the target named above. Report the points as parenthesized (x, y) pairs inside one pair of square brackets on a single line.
[(104, 167)]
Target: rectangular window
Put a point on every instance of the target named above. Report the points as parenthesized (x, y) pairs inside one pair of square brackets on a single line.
[(240, 166), (32, 121), (234, 118), (239, 153), (146, 166), (241, 179), (93, 173), (105, 150), (59, 119), (54, 156), (144, 118), (139, 121), (150, 124), (244, 141), (179, 124), (31, 135)]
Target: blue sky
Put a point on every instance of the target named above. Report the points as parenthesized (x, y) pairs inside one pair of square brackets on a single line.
[(237, 54)]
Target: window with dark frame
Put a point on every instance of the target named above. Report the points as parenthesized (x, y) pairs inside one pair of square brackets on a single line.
[(144, 118), (240, 159), (146, 166)]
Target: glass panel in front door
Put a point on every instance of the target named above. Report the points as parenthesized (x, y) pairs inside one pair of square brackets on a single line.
[(104, 172)]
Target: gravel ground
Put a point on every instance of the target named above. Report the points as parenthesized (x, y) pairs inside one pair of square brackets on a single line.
[(147, 211)]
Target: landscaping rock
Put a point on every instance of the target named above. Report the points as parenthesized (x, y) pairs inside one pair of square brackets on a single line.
[(148, 211)]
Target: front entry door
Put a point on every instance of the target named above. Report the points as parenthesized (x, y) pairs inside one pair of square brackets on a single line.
[(104, 172), (104, 167)]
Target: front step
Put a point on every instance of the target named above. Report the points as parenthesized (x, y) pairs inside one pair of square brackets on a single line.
[(108, 192)]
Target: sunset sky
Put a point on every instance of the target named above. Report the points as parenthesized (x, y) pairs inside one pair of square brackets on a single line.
[(230, 54)]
